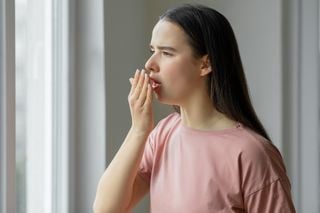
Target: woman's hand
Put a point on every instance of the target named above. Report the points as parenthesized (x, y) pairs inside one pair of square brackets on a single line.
[(140, 102)]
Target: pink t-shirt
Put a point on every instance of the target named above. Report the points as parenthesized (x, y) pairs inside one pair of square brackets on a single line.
[(196, 171)]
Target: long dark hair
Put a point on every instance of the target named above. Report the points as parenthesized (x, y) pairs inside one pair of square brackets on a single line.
[(210, 33)]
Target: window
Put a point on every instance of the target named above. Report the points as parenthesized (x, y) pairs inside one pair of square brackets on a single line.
[(45, 106), (41, 107)]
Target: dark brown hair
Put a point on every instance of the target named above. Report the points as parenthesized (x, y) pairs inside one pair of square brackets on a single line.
[(210, 33)]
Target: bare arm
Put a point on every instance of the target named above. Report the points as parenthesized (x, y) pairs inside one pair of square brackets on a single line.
[(119, 189)]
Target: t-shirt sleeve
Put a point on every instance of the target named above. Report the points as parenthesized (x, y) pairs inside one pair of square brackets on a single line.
[(265, 182), (146, 164), (275, 197), (153, 145)]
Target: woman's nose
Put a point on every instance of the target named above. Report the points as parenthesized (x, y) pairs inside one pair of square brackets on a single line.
[(151, 65)]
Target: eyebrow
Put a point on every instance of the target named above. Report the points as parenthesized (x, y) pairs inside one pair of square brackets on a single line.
[(164, 48)]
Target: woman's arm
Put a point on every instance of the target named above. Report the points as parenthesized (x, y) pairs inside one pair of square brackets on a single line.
[(117, 186)]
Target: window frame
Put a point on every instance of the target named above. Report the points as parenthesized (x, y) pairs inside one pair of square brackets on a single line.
[(79, 158), (62, 113), (61, 159), (7, 106), (302, 100)]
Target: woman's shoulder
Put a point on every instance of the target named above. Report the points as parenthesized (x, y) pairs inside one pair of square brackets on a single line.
[(260, 159), (256, 147), (168, 122), (164, 128)]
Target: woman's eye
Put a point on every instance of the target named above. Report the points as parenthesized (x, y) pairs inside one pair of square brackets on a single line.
[(167, 54), (163, 53)]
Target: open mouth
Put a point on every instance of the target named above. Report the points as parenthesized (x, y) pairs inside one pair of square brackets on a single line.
[(155, 84)]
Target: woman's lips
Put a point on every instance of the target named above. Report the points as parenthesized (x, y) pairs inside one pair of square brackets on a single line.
[(155, 84)]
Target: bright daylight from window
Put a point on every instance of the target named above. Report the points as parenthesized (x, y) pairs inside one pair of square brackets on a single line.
[(34, 107)]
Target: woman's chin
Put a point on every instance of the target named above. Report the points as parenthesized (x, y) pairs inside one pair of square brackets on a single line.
[(163, 100), (159, 97)]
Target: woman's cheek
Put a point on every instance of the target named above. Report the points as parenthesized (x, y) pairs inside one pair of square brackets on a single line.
[(179, 87), (176, 81)]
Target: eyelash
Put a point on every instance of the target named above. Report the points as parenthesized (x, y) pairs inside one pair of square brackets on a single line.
[(163, 52), (166, 53)]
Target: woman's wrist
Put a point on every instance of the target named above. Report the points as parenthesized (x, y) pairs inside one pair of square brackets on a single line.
[(138, 132)]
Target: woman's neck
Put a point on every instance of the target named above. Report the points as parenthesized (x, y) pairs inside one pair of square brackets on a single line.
[(199, 113)]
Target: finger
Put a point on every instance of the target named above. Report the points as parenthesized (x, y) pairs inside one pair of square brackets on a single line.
[(143, 94), (136, 78), (137, 89), (134, 81), (131, 82), (149, 96)]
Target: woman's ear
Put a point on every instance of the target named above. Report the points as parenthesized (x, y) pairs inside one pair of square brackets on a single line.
[(205, 68)]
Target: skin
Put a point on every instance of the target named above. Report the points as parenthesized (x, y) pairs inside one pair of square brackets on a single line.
[(183, 83), (119, 179)]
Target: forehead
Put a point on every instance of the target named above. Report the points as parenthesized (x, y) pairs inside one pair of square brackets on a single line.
[(168, 33)]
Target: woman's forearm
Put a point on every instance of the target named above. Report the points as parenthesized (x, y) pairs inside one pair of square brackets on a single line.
[(116, 184)]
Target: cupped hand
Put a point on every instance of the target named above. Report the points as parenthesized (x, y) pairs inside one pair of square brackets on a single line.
[(140, 102)]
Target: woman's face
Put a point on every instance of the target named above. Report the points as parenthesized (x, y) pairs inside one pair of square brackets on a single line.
[(172, 64)]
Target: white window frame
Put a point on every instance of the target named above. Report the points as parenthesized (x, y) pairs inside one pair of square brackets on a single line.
[(309, 107), (82, 161), (81, 62), (302, 100), (62, 140), (7, 106), (60, 201), (54, 157)]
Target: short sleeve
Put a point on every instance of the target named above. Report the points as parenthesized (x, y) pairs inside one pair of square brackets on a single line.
[(155, 141), (275, 197), (146, 163), (265, 182)]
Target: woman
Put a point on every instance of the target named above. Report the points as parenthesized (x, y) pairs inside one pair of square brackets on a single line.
[(213, 154)]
